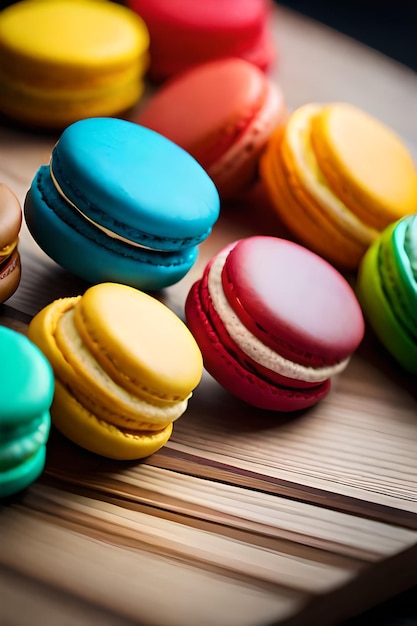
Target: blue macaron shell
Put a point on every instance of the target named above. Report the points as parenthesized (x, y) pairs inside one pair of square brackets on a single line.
[(27, 381), (88, 252), (136, 183)]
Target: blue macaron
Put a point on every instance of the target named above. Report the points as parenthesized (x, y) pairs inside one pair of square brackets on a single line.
[(119, 202), (27, 389)]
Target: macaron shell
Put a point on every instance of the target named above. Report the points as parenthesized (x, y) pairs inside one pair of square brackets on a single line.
[(27, 377), (400, 285), (139, 341), (366, 164), (100, 437), (10, 274), (18, 478), (18, 445), (10, 216), (379, 313), (72, 39), (300, 212), (111, 168), (240, 382), (311, 315), (59, 231), (222, 115)]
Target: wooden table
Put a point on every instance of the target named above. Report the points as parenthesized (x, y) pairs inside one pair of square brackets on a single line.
[(244, 518)]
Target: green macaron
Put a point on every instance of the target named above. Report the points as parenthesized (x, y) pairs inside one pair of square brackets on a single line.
[(26, 393), (387, 290)]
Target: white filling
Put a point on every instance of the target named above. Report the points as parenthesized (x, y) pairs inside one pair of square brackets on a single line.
[(251, 345)]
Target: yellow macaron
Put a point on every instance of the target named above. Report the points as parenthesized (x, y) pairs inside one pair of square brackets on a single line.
[(63, 60), (125, 367), (337, 177)]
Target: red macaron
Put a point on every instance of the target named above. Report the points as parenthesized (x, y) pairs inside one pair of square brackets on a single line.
[(221, 112), (185, 33), (274, 322)]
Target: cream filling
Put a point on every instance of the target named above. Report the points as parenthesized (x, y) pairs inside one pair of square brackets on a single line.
[(7, 250), (105, 230), (68, 338), (255, 136), (251, 345), (297, 138)]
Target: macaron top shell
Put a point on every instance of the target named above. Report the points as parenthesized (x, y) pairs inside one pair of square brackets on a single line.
[(139, 340), (293, 300), (72, 35), (10, 217), (366, 164), (212, 128), (135, 182), (26, 378)]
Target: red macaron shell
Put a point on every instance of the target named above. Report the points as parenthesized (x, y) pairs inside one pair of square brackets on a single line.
[(189, 111), (293, 300), (233, 349), (234, 377), (185, 32)]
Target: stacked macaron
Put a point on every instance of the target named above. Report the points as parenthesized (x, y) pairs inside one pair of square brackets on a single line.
[(26, 395), (121, 203), (64, 60), (387, 290), (274, 322), (125, 366), (185, 33), (225, 128), (337, 177), (10, 223)]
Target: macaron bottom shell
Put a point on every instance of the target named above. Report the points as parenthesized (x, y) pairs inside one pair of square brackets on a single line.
[(10, 274), (21, 476), (378, 311), (100, 437), (234, 377), (89, 253)]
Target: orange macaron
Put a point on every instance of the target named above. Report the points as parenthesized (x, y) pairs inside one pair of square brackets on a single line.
[(222, 113), (336, 177)]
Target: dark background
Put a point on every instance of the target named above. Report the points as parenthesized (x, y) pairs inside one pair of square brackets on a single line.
[(389, 26)]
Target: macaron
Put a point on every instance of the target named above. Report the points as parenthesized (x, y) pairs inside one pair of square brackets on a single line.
[(26, 395), (125, 367), (121, 203), (274, 322), (222, 112), (185, 33), (387, 290), (10, 223), (336, 177), (64, 60)]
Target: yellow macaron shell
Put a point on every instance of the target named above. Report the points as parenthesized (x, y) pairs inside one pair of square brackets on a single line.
[(89, 383), (71, 40), (139, 342), (117, 416), (366, 164), (100, 437)]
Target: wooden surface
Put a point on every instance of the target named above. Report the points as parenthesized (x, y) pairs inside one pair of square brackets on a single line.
[(244, 517)]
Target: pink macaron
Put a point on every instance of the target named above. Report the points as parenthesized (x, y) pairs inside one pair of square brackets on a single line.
[(222, 113), (187, 32), (274, 322)]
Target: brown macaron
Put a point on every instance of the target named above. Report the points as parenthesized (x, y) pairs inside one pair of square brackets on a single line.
[(10, 223)]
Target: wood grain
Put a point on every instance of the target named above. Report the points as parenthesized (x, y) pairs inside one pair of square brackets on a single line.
[(244, 517)]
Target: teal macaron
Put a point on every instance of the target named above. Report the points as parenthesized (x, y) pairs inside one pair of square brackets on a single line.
[(121, 203), (27, 388), (387, 290)]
